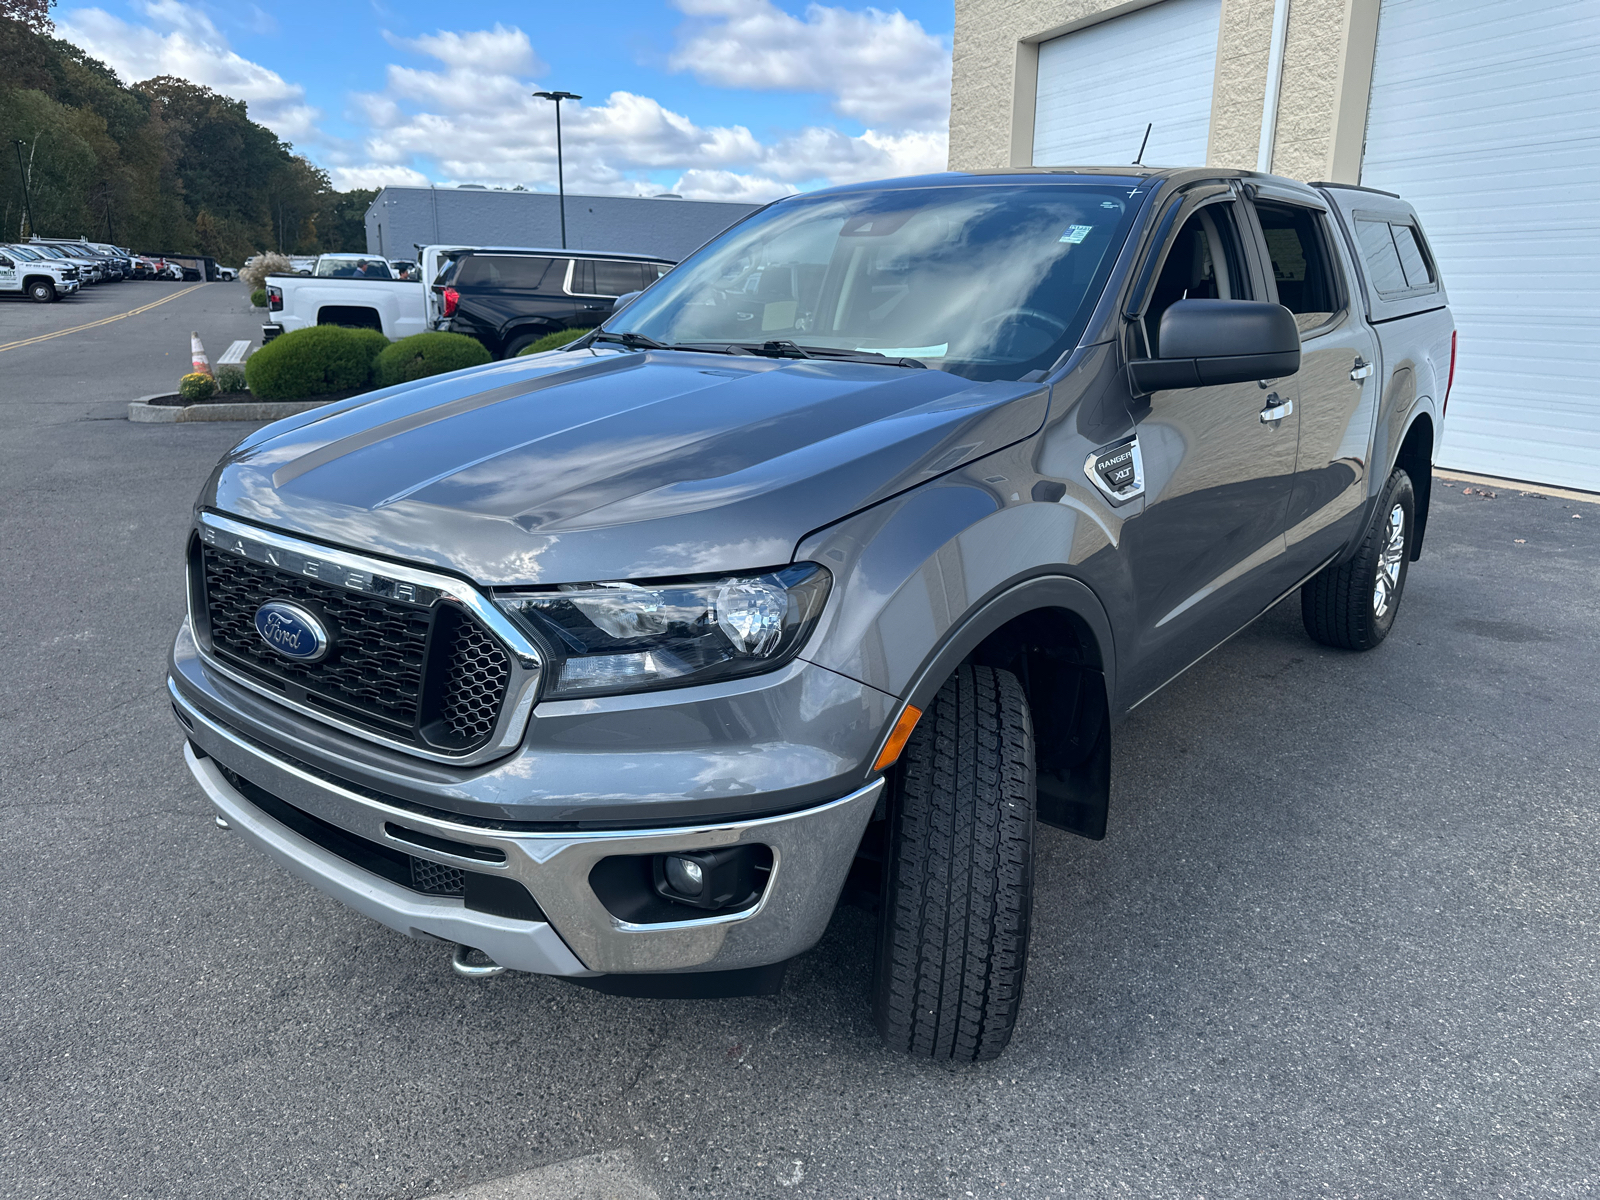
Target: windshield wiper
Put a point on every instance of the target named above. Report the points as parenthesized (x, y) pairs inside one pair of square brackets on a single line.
[(787, 349), (633, 341)]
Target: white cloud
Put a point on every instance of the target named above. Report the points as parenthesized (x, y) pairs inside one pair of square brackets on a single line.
[(882, 68), (460, 111), (181, 40)]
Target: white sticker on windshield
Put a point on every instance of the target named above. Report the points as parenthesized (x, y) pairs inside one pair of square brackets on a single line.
[(1076, 233)]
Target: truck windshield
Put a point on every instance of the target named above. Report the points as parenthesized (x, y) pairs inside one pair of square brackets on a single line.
[(987, 282)]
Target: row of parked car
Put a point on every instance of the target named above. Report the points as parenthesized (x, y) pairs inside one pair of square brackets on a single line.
[(45, 269), (507, 297)]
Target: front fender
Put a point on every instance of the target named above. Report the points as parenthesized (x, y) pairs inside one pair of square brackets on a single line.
[(923, 578)]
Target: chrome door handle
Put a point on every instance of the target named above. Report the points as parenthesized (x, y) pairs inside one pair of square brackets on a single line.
[(1360, 371), (1276, 409)]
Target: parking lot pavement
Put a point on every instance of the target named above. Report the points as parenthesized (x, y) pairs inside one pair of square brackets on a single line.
[(1341, 939), (91, 353)]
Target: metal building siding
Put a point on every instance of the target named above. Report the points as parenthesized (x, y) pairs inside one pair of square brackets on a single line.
[(1099, 87), (472, 217), (1485, 114)]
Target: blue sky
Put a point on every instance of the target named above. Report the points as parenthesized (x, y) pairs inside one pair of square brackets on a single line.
[(713, 98)]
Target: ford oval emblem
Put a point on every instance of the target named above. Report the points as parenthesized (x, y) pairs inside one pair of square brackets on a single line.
[(292, 631)]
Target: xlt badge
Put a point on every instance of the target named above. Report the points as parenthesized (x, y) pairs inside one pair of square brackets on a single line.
[(1118, 471)]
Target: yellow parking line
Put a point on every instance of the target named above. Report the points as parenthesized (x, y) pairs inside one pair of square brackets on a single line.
[(132, 312)]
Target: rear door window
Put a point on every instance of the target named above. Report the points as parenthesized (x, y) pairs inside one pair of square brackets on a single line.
[(609, 277), (1307, 284)]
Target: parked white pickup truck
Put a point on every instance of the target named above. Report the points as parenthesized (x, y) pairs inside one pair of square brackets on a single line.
[(359, 290), (35, 276)]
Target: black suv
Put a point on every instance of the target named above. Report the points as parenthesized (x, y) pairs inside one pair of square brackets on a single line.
[(509, 299)]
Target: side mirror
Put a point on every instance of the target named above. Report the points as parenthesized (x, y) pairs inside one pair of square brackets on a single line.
[(622, 301), (1205, 342)]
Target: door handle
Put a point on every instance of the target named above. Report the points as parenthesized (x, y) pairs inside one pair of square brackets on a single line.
[(1276, 410), (1360, 371)]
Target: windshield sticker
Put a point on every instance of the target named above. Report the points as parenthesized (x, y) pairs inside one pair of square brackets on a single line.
[(1076, 233), (908, 351)]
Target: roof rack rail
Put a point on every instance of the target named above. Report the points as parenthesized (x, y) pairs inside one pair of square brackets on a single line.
[(1356, 187)]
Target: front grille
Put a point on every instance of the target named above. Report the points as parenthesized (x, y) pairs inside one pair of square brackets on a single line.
[(431, 676)]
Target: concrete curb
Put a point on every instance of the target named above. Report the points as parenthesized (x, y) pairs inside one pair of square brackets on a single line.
[(144, 412)]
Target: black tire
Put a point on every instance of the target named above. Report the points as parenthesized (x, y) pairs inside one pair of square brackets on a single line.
[(1352, 605), (42, 291), (958, 886)]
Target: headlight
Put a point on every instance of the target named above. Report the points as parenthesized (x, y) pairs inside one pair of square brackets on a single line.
[(605, 638)]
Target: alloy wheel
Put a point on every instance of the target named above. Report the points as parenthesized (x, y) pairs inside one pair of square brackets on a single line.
[(1390, 560)]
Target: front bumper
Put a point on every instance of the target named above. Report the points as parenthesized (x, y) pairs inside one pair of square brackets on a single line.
[(811, 851)]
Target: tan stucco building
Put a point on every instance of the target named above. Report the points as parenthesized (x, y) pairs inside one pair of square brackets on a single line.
[(1485, 114)]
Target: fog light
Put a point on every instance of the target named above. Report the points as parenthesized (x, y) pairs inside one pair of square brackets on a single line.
[(717, 879), (685, 876)]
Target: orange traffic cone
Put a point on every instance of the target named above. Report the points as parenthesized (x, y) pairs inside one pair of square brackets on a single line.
[(202, 364)]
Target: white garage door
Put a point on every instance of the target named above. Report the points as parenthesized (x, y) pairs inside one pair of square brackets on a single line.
[(1099, 87), (1485, 114)]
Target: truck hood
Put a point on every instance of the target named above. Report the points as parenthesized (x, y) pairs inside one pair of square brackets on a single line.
[(581, 466)]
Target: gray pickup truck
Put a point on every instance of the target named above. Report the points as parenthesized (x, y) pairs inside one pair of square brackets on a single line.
[(828, 566)]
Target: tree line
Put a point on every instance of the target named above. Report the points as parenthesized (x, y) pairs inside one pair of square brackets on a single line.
[(163, 165)]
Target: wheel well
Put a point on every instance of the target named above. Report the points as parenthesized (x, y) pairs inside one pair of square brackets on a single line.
[(1416, 459), (1058, 659), (29, 280)]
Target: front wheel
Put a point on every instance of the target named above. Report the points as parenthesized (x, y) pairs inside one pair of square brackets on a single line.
[(958, 889), (42, 291), (1352, 605)]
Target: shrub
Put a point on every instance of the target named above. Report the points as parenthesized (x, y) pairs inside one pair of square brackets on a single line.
[(259, 297), (553, 341), (258, 268), (230, 379), (197, 387), (424, 354), (313, 362)]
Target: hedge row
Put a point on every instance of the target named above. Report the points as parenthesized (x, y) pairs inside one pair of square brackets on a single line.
[(325, 359), (553, 341)]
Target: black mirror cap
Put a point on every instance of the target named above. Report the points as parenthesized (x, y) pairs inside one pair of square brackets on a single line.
[(1227, 329), (1208, 342)]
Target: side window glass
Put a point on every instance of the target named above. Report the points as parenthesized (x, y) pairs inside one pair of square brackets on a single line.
[(583, 277), (523, 272), (1203, 263), (1382, 259), (1306, 283), (616, 278), (1419, 272)]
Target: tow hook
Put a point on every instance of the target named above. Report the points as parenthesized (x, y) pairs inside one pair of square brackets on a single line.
[(463, 964)]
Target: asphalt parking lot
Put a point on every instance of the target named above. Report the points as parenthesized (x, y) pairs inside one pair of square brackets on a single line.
[(1341, 941)]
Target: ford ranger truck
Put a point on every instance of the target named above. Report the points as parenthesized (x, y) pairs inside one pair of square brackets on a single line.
[(832, 561)]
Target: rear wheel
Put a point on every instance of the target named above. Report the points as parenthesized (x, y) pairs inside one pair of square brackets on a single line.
[(1352, 605), (42, 291), (958, 889)]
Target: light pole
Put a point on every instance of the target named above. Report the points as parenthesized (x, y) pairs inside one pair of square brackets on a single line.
[(561, 183), (27, 198)]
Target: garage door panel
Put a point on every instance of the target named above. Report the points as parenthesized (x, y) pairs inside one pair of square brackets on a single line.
[(1099, 87), (1485, 114)]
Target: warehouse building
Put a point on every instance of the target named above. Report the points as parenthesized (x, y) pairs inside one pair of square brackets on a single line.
[(1483, 113), (403, 218)]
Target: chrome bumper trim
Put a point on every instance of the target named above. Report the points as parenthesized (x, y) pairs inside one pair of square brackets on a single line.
[(812, 851)]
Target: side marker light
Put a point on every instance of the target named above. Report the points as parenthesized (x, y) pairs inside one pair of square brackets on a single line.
[(909, 716)]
